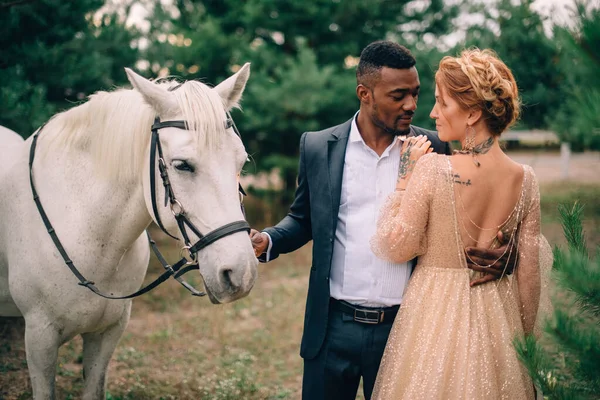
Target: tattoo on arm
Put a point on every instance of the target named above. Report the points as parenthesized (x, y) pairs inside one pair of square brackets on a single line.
[(461, 182), (406, 164)]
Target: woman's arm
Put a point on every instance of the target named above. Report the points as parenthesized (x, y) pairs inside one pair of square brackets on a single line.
[(528, 272), (401, 227)]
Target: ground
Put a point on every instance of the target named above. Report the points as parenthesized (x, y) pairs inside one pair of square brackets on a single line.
[(180, 347)]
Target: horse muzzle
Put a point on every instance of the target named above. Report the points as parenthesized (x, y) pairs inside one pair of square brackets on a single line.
[(230, 283)]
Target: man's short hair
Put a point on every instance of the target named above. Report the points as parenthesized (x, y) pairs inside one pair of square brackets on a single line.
[(377, 55)]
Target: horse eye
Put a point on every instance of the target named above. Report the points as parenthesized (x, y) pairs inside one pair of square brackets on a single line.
[(183, 166)]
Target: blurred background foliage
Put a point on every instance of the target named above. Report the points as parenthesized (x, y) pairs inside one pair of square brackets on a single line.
[(303, 55)]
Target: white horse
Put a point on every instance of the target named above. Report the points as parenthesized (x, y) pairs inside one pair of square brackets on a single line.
[(9, 137), (91, 172)]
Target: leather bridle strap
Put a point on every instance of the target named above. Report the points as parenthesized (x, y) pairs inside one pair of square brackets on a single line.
[(174, 270), (154, 147), (45, 220), (225, 230), (176, 207)]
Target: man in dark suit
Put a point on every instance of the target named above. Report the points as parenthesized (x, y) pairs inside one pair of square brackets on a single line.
[(345, 174)]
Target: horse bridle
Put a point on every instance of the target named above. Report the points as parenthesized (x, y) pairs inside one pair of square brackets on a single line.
[(187, 262), (176, 208)]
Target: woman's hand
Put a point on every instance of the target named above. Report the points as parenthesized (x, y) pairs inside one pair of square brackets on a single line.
[(412, 149)]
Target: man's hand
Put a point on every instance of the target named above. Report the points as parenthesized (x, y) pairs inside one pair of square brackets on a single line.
[(260, 242), (504, 265)]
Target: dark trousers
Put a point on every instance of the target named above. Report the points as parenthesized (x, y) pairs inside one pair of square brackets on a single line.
[(351, 350)]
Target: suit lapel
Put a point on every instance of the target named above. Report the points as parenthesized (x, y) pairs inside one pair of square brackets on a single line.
[(336, 152)]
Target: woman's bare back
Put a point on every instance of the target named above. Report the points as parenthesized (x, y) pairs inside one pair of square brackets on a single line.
[(486, 195)]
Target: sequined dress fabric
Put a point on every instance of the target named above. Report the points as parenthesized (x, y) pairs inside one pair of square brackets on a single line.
[(450, 340)]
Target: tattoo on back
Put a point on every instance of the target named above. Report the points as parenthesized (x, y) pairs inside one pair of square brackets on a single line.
[(461, 182)]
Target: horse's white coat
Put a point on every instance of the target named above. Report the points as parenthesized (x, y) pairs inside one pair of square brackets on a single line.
[(92, 174)]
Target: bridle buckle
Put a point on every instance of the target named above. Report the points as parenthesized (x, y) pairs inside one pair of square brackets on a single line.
[(185, 253), (176, 208)]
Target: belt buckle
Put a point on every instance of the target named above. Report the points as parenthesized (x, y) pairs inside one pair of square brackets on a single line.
[(368, 316)]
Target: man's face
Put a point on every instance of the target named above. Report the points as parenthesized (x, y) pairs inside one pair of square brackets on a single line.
[(394, 100)]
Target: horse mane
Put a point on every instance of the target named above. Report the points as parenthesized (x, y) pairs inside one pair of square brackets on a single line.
[(114, 127)]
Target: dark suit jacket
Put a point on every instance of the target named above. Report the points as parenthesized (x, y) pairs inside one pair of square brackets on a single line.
[(314, 215)]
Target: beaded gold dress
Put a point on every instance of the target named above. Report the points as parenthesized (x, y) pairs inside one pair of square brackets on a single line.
[(450, 340)]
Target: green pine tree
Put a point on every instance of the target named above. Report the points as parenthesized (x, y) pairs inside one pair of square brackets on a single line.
[(577, 119), (54, 53), (565, 361)]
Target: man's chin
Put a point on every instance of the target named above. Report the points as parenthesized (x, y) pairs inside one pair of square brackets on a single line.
[(402, 128), (398, 132), (403, 132)]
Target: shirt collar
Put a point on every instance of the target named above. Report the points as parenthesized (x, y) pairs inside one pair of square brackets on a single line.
[(354, 132), (356, 137)]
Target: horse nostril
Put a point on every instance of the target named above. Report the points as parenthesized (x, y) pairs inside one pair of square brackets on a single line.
[(226, 274)]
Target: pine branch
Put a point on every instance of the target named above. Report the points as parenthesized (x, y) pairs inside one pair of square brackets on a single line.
[(565, 361), (572, 226), (542, 369), (577, 337), (581, 277)]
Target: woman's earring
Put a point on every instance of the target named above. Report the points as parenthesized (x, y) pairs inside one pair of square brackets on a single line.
[(469, 145), (469, 139)]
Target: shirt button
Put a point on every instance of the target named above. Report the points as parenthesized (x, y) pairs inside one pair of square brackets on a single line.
[(330, 240), (326, 278)]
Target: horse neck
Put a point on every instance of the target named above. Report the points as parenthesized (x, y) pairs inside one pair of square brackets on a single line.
[(97, 208)]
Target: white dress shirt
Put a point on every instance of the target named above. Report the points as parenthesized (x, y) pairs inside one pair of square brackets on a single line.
[(357, 275)]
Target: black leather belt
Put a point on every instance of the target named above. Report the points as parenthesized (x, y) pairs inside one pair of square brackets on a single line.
[(366, 315)]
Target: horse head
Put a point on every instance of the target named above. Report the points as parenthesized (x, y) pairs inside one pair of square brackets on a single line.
[(201, 161)]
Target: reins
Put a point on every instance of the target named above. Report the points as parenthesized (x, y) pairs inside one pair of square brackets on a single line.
[(185, 264)]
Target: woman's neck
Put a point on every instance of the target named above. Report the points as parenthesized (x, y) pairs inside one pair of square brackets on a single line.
[(482, 142), (483, 145)]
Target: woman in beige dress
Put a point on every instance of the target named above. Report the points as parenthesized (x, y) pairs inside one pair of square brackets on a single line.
[(451, 340)]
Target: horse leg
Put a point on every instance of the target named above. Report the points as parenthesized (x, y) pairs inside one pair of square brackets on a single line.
[(42, 341), (98, 348)]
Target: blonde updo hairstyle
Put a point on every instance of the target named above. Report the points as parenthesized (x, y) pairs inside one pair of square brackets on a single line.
[(479, 80)]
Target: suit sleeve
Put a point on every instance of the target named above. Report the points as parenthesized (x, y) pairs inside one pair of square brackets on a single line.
[(295, 229)]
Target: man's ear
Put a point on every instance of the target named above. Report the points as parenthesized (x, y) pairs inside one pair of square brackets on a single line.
[(363, 93), (474, 117)]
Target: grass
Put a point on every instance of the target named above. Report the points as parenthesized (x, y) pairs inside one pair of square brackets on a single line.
[(181, 347)]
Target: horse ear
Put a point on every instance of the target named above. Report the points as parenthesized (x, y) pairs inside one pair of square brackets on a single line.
[(231, 89), (157, 97)]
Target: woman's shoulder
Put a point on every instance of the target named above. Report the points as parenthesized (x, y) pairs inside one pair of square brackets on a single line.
[(530, 191), (434, 159), (528, 170), (434, 164), (529, 177), (530, 182)]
